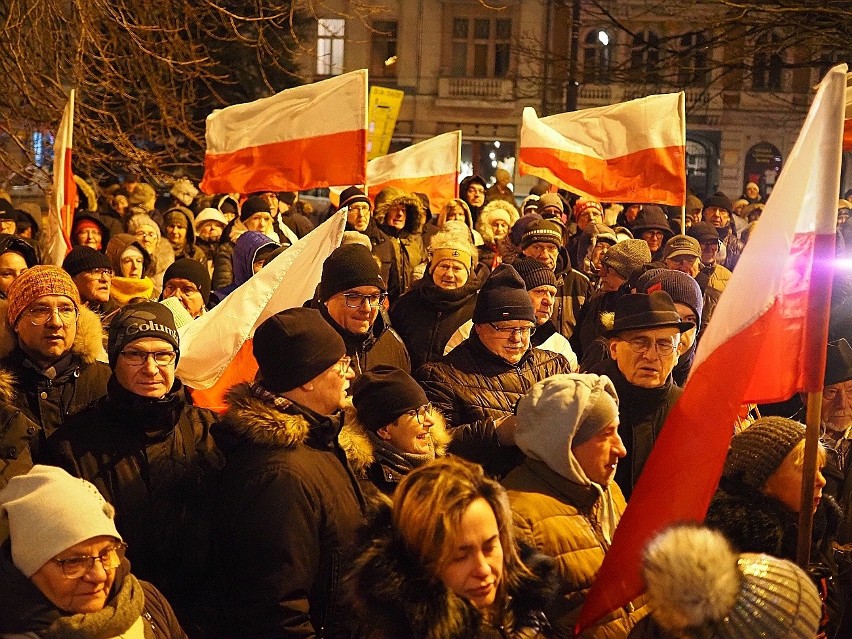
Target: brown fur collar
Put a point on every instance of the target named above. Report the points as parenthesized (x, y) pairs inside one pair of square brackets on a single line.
[(263, 423), (88, 343), (415, 214)]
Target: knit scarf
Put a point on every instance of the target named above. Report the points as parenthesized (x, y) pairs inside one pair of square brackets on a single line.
[(116, 617), (124, 289), (394, 458)]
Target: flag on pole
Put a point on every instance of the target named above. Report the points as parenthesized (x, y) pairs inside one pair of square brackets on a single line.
[(302, 138), (629, 152), (64, 199), (766, 342), (431, 167), (216, 348), (847, 123)]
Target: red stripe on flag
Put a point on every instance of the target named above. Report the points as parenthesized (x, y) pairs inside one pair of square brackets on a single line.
[(292, 165), (651, 175), (242, 368), (847, 135), (439, 188), (66, 214)]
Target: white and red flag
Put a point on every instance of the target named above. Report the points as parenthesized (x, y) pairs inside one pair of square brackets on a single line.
[(216, 349), (767, 341), (64, 199), (431, 167), (629, 152), (307, 137), (847, 124)]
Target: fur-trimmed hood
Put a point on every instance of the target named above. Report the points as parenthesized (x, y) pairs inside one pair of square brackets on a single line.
[(88, 344), (393, 596), (415, 213), (263, 423), (483, 224)]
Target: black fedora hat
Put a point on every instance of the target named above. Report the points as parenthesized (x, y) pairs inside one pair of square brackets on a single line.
[(638, 311), (838, 365)]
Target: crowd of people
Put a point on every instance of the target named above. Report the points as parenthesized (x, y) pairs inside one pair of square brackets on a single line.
[(439, 443)]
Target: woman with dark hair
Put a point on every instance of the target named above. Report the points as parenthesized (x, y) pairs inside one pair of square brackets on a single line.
[(443, 562)]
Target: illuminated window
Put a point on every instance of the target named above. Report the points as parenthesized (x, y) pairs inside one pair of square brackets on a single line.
[(330, 35)]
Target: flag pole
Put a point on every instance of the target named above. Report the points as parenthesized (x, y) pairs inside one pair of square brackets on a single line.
[(809, 470)]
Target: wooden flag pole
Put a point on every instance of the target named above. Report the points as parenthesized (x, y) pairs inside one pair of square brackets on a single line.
[(809, 470)]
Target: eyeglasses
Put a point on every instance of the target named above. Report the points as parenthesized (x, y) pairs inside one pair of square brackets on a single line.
[(514, 331), (187, 289), (657, 234), (138, 358), (708, 244), (356, 300), (640, 345), (39, 315), (99, 272), (146, 234), (76, 567), (420, 413), (343, 365)]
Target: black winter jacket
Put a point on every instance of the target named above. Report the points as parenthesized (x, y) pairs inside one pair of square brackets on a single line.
[(472, 387), (393, 597), (572, 290), (156, 462), (427, 316), (287, 510), (642, 412)]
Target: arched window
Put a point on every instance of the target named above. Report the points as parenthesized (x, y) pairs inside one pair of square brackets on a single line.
[(597, 56), (645, 57), (693, 61), (767, 63)]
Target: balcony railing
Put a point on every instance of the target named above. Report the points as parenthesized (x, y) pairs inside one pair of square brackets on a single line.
[(480, 89)]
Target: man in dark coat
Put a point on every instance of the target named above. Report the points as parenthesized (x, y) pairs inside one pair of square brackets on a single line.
[(644, 335), (351, 296), (359, 217), (288, 502), (151, 454), (477, 385), (50, 343)]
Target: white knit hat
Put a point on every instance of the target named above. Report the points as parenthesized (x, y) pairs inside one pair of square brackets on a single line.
[(49, 511)]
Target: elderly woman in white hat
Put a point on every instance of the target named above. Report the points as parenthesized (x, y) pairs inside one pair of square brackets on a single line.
[(62, 568)]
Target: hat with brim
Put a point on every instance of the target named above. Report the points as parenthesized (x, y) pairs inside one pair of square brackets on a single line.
[(682, 245), (638, 311), (838, 365)]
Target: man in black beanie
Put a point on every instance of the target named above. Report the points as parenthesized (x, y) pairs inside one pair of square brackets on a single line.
[(288, 505), (151, 454), (351, 297), (92, 273), (477, 385), (189, 281)]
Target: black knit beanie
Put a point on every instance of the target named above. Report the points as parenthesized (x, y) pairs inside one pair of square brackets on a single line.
[(503, 297), (348, 266), (134, 321), (719, 200), (254, 204), (294, 346), (384, 393), (542, 231), (757, 452), (192, 270), (681, 288), (84, 258), (534, 273), (352, 195)]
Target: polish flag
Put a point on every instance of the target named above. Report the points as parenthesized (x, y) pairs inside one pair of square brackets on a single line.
[(766, 342), (629, 152), (216, 348), (847, 124), (64, 200), (307, 137), (431, 167)]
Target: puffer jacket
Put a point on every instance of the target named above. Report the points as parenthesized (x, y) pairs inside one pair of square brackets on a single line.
[(473, 387), (287, 510), (156, 462), (16, 429), (407, 243), (572, 290), (393, 597), (560, 518), (25, 613), (642, 413), (81, 378), (427, 316)]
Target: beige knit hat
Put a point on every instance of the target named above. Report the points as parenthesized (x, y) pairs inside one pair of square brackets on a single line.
[(49, 511)]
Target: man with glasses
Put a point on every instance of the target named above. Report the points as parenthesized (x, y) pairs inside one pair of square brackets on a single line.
[(189, 281), (150, 452), (711, 273), (643, 337), (542, 242), (288, 505), (351, 297), (477, 385), (51, 347), (92, 273)]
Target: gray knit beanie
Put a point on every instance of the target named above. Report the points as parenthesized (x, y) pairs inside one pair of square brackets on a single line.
[(627, 257), (757, 452)]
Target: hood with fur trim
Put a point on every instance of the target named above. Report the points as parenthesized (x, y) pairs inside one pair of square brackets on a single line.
[(88, 344), (263, 423), (483, 224), (415, 213), (393, 596)]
